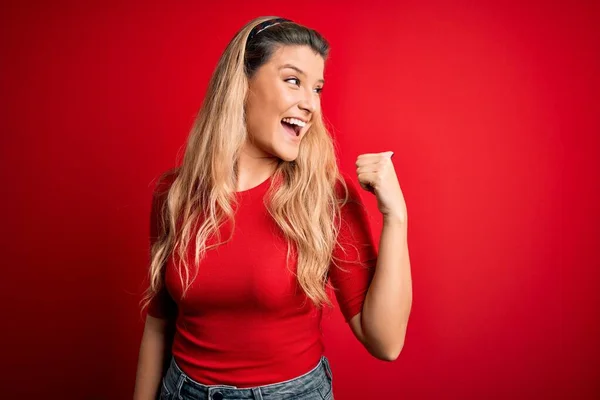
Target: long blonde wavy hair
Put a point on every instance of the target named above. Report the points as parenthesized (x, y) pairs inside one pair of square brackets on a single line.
[(305, 205)]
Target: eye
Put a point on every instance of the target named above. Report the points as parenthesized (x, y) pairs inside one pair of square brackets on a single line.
[(293, 79), (317, 90)]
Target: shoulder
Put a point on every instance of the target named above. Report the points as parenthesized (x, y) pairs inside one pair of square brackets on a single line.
[(161, 190), (165, 180), (158, 211)]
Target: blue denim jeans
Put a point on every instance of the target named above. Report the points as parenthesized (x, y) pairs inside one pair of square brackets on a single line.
[(313, 385)]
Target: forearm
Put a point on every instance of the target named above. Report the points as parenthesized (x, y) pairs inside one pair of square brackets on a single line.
[(150, 361), (389, 299)]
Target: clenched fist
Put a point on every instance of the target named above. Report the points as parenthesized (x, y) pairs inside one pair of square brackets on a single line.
[(376, 174)]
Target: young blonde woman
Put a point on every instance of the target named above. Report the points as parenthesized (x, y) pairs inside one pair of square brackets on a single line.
[(255, 224)]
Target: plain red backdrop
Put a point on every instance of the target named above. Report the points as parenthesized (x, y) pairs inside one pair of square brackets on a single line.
[(492, 111)]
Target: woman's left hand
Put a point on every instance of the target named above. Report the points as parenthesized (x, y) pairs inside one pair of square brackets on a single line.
[(376, 174)]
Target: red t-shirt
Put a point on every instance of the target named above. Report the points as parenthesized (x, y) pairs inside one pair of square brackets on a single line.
[(245, 321)]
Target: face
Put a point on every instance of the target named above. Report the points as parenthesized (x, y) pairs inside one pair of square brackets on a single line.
[(287, 86)]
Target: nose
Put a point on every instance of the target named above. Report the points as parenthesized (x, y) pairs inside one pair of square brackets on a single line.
[(309, 102)]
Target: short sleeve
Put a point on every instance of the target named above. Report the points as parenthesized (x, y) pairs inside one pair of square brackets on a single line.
[(162, 304), (355, 253)]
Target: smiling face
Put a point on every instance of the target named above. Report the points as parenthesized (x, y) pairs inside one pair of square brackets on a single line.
[(287, 86)]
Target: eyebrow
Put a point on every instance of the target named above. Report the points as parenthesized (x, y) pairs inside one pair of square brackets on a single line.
[(298, 70)]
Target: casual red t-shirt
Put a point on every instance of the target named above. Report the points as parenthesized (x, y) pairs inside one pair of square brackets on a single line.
[(245, 321)]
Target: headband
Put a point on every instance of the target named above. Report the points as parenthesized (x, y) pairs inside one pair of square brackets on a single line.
[(264, 25)]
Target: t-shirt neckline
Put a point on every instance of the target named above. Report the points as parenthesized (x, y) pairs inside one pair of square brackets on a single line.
[(264, 184)]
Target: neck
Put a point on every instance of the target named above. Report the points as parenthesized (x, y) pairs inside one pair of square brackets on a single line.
[(254, 167)]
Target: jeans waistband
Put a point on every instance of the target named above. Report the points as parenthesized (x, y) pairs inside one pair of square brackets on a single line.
[(185, 386)]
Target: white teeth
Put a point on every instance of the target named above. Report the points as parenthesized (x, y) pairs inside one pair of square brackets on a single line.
[(295, 122)]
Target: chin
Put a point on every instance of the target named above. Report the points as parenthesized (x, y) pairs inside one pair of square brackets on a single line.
[(286, 153), (288, 156)]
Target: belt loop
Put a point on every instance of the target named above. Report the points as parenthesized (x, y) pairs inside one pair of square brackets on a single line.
[(257, 394), (180, 383), (327, 368)]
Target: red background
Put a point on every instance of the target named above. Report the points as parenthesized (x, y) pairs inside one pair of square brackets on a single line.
[(493, 113)]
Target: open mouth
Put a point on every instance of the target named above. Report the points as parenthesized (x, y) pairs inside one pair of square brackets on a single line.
[(292, 128)]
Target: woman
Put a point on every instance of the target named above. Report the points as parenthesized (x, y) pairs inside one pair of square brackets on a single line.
[(248, 232)]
